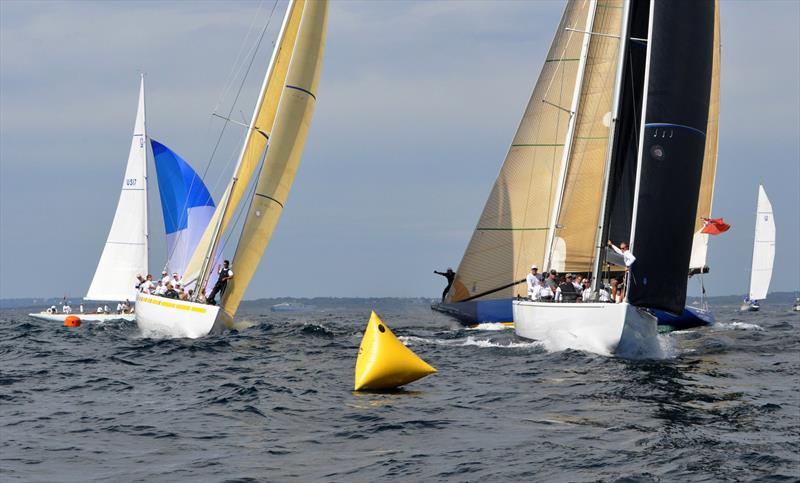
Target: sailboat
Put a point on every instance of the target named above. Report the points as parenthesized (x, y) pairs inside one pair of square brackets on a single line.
[(574, 93), (645, 176), (126, 249), (763, 253), (277, 132)]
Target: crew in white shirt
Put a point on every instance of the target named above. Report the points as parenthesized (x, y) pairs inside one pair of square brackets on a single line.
[(120, 308), (165, 278), (176, 279), (533, 280), (544, 293), (66, 309), (627, 256)]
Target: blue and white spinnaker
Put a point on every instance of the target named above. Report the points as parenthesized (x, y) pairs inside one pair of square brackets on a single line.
[(185, 202)]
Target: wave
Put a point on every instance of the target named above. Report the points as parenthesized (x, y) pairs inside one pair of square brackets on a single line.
[(489, 326), (738, 326), (470, 341)]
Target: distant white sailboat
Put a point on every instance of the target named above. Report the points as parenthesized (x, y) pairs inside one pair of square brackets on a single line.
[(125, 252), (279, 128), (763, 253)]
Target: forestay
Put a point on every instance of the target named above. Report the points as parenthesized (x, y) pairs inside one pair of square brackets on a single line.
[(125, 252)]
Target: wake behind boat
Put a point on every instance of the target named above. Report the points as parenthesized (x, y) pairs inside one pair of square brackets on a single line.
[(280, 121)]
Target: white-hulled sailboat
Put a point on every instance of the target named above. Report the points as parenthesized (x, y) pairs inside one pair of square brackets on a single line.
[(763, 253), (641, 164), (125, 252), (514, 230), (280, 122)]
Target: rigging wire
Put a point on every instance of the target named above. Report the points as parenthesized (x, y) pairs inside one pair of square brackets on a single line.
[(252, 54)]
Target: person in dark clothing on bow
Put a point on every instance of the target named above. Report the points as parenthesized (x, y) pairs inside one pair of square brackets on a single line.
[(450, 275), (224, 274)]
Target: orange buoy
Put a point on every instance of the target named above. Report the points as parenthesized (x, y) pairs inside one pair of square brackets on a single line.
[(72, 321)]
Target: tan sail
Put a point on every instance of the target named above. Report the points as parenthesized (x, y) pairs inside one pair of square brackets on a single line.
[(256, 141), (287, 140), (700, 242), (583, 187), (512, 230)]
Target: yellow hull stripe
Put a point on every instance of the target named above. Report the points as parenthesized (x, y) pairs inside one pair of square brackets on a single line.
[(172, 305)]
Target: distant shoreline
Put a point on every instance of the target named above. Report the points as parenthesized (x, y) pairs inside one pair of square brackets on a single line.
[(774, 298)]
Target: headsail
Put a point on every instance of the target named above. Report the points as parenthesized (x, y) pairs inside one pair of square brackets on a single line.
[(512, 229), (125, 252), (763, 248), (579, 211), (671, 150), (287, 140), (185, 202), (700, 242), (256, 140)]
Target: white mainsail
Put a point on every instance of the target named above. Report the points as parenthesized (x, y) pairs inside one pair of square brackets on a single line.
[(763, 248), (125, 252)]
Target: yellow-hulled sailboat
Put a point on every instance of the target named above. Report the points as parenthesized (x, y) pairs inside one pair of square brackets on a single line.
[(280, 122)]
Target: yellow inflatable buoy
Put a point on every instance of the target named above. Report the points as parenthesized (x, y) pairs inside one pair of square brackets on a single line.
[(384, 362)]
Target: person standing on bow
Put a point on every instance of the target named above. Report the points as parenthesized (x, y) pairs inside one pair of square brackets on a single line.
[(224, 274), (450, 275)]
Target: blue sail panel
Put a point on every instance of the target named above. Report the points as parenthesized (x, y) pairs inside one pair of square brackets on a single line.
[(185, 202)]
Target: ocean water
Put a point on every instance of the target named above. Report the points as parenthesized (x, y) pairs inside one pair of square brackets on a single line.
[(274, 402)]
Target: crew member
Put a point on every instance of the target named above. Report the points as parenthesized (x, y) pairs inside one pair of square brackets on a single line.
[(450, 275), (224, 274)]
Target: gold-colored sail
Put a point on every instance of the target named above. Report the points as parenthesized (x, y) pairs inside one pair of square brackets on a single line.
[(583, 185), (512, 230), (256, 141), (700, 242), (287, 140)]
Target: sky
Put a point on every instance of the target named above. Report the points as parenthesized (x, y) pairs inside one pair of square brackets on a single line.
[(417, 105)]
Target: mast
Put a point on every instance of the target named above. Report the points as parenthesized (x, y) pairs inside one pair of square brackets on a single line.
[(146, 203), (640, 150), (601, 229), (226, 202), (587, 36)]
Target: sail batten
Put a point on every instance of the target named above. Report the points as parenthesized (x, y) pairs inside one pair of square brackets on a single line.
[(126, 250)]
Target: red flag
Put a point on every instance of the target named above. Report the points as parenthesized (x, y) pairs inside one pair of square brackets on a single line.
[(714, 226)]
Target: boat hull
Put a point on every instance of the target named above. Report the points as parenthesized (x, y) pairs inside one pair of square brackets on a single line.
[(90, 317), (690, 318), (478, 311), (501, 311), (177, 318), (749, 308), (601, 328)]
